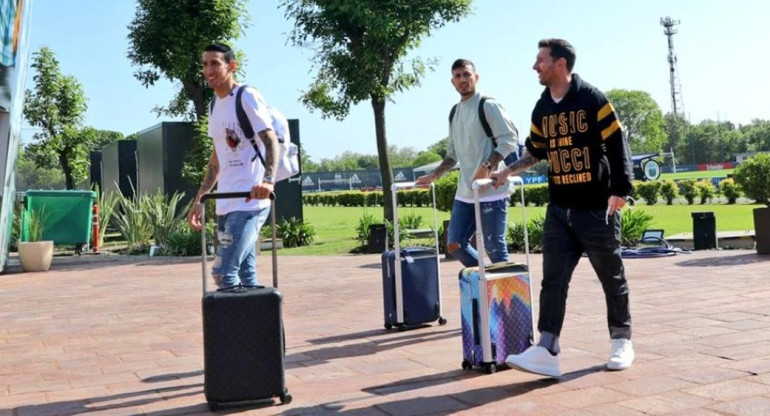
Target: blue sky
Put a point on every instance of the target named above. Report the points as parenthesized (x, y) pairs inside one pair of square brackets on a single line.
[(721, 48)]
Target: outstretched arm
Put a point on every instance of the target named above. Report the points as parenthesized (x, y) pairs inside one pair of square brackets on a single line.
[(446, 165), (526, 161), (209, 180)]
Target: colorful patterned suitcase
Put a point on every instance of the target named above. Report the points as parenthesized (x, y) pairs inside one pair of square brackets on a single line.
[(496, 314), (495, 303), (411, 279)]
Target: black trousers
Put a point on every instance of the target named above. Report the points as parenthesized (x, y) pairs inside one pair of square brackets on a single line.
[(567, 234)]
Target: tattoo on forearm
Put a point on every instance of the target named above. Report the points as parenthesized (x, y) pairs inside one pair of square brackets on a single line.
[(526, 161), (446, 165), (212, 173), (495, 158), (271, 151)]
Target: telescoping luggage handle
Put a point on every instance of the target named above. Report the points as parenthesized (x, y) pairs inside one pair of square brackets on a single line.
[(476, 186), (229, 195), (397, 247)]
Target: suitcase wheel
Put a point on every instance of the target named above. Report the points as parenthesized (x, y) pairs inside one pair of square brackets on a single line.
[(213, 406), (285, 398), (490, 368), (388, 326), (466, 365), (441, 321), (403, 327)]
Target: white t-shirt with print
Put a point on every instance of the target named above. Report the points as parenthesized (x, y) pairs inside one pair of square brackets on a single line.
[(239, 168)]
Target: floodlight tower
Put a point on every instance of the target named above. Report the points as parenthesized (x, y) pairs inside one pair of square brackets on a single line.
[(677, 106)]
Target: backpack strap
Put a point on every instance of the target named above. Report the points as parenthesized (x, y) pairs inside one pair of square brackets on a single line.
[(483, 120), (452, 113), (243, 120)]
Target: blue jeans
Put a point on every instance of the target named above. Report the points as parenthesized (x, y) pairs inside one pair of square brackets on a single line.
[(462, 227), (567, 234), (236, 261)]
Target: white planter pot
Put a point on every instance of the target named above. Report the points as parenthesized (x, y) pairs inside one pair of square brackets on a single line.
[(35, 257)]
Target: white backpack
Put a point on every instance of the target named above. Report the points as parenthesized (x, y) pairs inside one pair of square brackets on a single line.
[(288, 152)]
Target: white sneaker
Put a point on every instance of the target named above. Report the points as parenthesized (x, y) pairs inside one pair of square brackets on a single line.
[(537, 360), (621, 354)]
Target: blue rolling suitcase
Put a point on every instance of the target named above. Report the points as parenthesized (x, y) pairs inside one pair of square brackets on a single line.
[(411, 277), (243, 341)]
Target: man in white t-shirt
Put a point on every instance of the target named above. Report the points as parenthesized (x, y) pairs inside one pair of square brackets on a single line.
[(235, 167)]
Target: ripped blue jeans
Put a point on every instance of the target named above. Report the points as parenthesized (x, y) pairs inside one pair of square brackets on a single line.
[(462, 227), (236, 261)]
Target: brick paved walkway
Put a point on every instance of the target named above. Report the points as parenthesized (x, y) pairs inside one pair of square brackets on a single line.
[(123, 337)]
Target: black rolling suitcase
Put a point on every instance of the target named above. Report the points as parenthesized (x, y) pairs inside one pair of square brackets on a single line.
[(243, 343)]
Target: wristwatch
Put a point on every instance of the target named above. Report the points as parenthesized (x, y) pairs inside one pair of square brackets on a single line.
[(486, 164), (268, 179)]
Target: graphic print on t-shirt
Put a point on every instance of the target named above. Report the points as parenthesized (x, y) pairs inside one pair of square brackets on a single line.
[(232, 139), (233, 158)]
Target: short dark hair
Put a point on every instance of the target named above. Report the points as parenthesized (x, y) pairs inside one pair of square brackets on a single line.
[(459, 63), (227, 51), (560, 48)]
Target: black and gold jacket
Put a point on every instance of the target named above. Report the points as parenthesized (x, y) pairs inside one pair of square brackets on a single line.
[(582, 138)]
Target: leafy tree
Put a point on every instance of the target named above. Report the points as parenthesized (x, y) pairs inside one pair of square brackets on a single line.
[(714, 142), (676, 127), (423, 158), (99, 138), (751, 176), (348, 160), (306, 163), (367, 162), (731, 140), (403, 157), (56, 105), (360, 46), (29, 176), (641, 118), (167, 38), (757, 135), (440, 147)]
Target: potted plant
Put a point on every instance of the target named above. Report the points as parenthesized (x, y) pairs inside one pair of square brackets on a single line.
[(35, 254), (752, 176)]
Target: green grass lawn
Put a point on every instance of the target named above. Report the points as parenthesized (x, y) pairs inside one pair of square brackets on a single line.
[(722, 173), (336, 226)]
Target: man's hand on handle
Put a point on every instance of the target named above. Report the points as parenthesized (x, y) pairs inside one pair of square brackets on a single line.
[(425, 180), (261, 191), (499, 177), (194, 216)]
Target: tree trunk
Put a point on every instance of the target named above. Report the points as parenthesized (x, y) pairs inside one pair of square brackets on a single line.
[(195, 92), (378, 105), (69, 180)]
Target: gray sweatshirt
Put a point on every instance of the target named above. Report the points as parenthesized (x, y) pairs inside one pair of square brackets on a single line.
[(470, 146)]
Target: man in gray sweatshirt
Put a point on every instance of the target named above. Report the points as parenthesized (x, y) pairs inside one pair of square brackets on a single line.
[(478, 155)]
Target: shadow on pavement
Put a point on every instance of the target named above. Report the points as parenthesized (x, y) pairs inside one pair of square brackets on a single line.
[(374, 333), (122, 401), (368, 347), (749, 258), (444, 404)]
